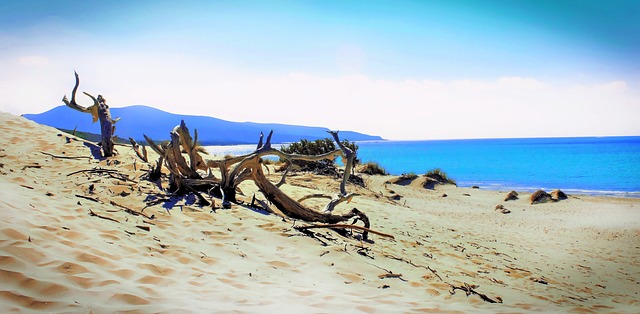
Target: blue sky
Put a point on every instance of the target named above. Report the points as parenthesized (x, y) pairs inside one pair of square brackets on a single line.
[(399, 69)]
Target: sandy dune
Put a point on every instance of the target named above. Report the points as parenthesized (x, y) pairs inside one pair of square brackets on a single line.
[(72, 240)]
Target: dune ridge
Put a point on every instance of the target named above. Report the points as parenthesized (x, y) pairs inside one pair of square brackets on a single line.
[(65, 246)]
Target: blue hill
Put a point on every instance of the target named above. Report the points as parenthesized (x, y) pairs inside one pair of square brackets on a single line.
[(139, 120)]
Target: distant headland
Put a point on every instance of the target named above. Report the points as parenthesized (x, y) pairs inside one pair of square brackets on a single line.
[(139, 120)]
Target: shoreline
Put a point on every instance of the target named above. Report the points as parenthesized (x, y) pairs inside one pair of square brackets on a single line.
[(241, 149), (568, 191)]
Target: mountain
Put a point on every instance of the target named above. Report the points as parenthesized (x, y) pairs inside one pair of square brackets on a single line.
[(155, 123)]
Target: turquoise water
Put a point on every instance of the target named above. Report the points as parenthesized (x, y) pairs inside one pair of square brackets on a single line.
[(586, 165), (594, 165)]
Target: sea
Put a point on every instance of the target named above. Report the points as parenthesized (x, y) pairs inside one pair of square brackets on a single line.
[(607, 166)]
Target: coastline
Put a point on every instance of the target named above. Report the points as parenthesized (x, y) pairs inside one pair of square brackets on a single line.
[(417, 157), (575, 255)]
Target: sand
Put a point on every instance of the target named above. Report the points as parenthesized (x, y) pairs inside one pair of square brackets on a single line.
[(68, 245)]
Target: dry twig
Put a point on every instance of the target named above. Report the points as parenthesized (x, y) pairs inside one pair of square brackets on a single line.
[(65, 157), (131, 211), (470, 289), (91, 213), (345, 226)]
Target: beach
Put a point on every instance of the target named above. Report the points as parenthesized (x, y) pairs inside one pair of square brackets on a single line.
[(77, 235)]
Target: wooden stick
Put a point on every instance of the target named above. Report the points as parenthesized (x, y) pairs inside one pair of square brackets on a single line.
[(94, 170), (66, 157), (145, 228), (131, 211), (389, 275), (345, 226), (470, 289), (90, 198), (91, 213), (32, 166)]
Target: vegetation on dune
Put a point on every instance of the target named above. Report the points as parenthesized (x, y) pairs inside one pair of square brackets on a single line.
[(408, 176), (405, 178), (372, 168), (440, 176), (540, 196), (316, 148)]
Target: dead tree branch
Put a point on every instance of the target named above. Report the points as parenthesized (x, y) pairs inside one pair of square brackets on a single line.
[(65, 157), (470, 289), (141, 151), (91, 213), (347, 227), (99, 111)]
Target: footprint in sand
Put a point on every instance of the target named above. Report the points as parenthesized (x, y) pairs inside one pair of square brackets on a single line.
[(128, 299)]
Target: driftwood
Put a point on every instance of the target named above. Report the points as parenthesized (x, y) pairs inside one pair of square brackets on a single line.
[(141, 151), (131, 211), (114, 174), (185, 178), (65, 157), (175, 162), (99, 111), (92, 213), (93, 199), (471, 289), (347, 227)]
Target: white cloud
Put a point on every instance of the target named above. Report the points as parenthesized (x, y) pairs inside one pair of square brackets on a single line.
[(395, 109)]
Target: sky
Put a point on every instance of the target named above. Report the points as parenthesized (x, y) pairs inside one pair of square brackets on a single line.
[(403, 70)]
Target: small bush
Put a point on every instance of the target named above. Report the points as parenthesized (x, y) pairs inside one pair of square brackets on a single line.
[(405, 178), (372, 168), (540, 196), (408, 176), (439, 176), (314, 148), (513, 195)]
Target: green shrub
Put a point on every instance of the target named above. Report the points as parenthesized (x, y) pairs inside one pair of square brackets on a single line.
[(408, 176), (314, 148), (372, 168), (439, 176)]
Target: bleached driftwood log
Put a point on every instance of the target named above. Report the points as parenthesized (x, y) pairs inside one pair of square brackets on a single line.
[(99, 111), (235, 170)]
